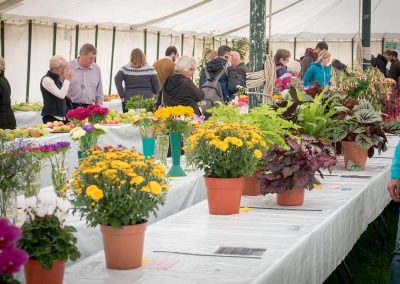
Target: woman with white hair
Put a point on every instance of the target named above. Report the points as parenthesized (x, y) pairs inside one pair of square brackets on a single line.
[(54, 92), (179, 88), (7, 118)]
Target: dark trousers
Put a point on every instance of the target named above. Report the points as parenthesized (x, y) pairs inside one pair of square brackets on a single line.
[(76, 105), (52, 119)]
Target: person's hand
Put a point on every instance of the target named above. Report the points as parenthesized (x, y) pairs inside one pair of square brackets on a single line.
[(394, 189), (68, 75)]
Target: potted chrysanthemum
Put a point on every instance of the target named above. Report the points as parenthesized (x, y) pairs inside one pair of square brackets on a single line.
[(227, 152), (118, 190)]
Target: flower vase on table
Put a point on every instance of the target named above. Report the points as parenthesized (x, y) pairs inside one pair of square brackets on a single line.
[(149, 145), (176, 145), (163, 144)]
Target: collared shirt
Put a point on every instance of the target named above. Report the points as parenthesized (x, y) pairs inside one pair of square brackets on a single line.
[(86, 85)]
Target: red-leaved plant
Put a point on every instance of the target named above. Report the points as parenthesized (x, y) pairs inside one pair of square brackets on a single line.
[(295, 167)]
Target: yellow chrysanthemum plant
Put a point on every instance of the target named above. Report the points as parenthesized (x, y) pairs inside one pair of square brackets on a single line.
[(226, 150), (116, 187), (177, 122)]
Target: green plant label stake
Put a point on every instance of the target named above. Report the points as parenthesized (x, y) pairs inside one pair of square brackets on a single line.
[(176, 144)]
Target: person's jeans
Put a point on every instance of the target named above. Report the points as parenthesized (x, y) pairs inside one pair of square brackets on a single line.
[(395, 267)]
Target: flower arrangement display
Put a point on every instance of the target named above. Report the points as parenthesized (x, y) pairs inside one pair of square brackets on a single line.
[(369, 84), (294, 168), (92, 114), (177, 122), (116, 188), (227, 152), (49, 242), (87, 135), (11, 257), (14, 160), (55, 154)]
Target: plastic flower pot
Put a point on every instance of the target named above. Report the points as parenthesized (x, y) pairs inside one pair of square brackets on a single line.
[(123, 247), (36, 274), (251, 185), (352, 152), (294, 197), (149, 145), (224, 195), (176, 145)]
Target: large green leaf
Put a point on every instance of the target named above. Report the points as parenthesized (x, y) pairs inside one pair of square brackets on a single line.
[(364, 142), (367, 116), (392, 127)]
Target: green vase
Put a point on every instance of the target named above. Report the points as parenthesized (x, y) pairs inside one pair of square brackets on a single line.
[(149, 144), (176, 145)]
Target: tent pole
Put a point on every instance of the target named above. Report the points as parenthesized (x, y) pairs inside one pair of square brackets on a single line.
[(194, 45), (294, 48), (96, 35), (2, 38), (257, 34), (182, 39), (28, 73), (76, 40), (54, 38), (158, 45), (145, 41), (352, 52), (366, 32), (112, 58)]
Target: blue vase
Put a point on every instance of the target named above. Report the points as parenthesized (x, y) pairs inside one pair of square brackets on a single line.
[(149, 144)]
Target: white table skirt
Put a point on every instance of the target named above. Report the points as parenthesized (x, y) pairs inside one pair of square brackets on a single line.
[(302, 246)]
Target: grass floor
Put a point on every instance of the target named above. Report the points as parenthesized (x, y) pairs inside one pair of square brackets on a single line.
[(369, 260)]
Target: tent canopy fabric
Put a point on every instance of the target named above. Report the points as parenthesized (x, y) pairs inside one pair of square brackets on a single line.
[(303, 19)]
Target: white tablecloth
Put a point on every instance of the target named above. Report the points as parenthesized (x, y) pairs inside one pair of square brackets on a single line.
[(302, 246), (28, 118), (33, 118)]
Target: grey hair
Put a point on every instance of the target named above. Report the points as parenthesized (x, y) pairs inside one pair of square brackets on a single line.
[(2, 64), (57, 61), (184, 63), (87, 48)]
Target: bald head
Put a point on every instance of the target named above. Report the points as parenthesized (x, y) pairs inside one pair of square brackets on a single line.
[(235, 58)]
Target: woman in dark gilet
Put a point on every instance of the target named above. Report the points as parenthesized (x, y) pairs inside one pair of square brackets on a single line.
[(54, 92), (7, 118)]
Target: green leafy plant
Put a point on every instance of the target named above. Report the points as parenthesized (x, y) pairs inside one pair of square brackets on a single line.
[(137, 102), (44, 235), (363, 125)]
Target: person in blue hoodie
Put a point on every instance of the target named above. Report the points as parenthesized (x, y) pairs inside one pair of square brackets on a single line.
[(394, 191), (319, 71)]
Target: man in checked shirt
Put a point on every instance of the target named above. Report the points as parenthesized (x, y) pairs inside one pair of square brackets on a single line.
[(86, 86)]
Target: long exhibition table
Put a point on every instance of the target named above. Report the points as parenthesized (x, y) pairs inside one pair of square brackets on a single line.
[(303, 245)]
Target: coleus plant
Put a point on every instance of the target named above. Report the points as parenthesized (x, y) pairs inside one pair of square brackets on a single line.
[(364, 125), (295, 167)]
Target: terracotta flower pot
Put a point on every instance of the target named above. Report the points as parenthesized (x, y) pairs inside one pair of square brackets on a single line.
[(294, 197), (251, 185), (352, 152), (123, 247), (36, 274), (224, 195)]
